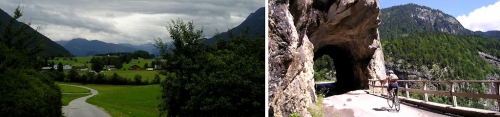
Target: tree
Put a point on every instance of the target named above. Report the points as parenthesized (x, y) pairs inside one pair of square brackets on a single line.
[(60, 67), (156, 79), (218, 70), (186, 40), (146, 65), (24, 91), (153, 63), (137, 79), (72, 75), (97, 65)]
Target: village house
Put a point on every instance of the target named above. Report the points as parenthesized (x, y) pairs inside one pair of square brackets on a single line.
[(110, 67), (46, 68), (67, 67), (135, 67)]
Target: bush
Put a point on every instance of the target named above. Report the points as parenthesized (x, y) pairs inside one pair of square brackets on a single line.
[(26, 93), (156, 79), (138, 79)]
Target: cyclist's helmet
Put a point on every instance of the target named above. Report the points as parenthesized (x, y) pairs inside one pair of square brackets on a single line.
[(390, 72)]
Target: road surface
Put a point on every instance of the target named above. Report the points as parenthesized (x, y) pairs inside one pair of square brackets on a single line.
[(360, 104), (80, 108)]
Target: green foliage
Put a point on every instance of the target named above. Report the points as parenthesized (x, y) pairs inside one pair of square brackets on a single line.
[(397, 21), (156, 79), (59, 67), (97, 64), (24, 91), (138, 79), (211, 80), (73, 75), (324, 68), (437, 51), (295, 115)]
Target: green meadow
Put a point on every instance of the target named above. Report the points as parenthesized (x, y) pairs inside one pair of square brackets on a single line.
[(66, 98), (80, 61)]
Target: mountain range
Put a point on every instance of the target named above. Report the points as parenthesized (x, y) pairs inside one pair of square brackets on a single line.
[(409, 18), (51, 48), (425, 43), (83, 47), (255, 23)]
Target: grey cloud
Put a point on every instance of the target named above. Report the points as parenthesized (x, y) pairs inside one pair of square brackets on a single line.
[(99, 17)]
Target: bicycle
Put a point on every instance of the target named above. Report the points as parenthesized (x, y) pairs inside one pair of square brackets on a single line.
[(394, 100)]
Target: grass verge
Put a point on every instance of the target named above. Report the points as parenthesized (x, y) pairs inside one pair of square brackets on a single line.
[(66, 98), (317, 109), (72, 89), (126, 100)]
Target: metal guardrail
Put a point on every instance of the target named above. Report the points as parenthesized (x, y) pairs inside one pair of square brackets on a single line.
[(451, 91)]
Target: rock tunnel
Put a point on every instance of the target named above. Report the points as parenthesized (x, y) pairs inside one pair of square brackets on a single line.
[(301, 31)]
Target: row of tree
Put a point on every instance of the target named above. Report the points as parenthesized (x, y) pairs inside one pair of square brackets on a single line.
[(100, 78)]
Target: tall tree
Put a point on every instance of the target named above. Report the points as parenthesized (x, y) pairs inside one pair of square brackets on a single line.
[(24, 91), (235, 66), (60, 67), (97, 65)]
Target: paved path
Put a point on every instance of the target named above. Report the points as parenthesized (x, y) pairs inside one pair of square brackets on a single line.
[(80, 108), (360, 104)]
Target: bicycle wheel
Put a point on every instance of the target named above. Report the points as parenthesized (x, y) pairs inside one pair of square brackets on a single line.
[(396, 101), (390, 100)]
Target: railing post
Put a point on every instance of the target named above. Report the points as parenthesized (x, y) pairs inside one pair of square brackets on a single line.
[(453, 98), (426, 97), (497, 92), (406, 90), (373, 86)]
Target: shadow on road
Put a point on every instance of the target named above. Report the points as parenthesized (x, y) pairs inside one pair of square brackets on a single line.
[(326, 88), (385, 109)]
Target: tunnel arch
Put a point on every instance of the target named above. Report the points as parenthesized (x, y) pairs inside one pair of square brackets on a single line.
[(347, 68)]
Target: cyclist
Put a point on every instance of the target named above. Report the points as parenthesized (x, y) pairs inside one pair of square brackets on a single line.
[(392, 82)]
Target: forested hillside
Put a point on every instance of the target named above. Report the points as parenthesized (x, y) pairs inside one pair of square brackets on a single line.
[(412, 18), (51, 48), (442, 56)]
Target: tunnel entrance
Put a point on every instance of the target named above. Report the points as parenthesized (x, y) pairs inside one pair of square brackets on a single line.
[(339, 61)]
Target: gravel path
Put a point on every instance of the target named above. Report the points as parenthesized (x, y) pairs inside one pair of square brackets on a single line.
[(80, 108)]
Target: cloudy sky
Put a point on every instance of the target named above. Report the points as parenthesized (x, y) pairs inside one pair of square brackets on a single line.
[(128, 21), (476, 15)]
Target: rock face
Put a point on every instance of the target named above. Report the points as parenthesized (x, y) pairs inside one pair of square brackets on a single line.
[(302, 30)]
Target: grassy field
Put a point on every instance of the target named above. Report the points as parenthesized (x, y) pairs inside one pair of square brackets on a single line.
[(127, 101), (130, 74), (80, 61), (72, 89), (146, 75), (66, 98)]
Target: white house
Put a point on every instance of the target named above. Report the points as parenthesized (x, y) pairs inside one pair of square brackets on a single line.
[(67, 67)]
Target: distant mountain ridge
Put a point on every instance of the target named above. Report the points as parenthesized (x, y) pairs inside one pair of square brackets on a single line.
[(412, 18), (255, 22), (51, 48), (84, 47)]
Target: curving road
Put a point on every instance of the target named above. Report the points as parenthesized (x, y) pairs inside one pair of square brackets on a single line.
[(80, 108), (360, 104)]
